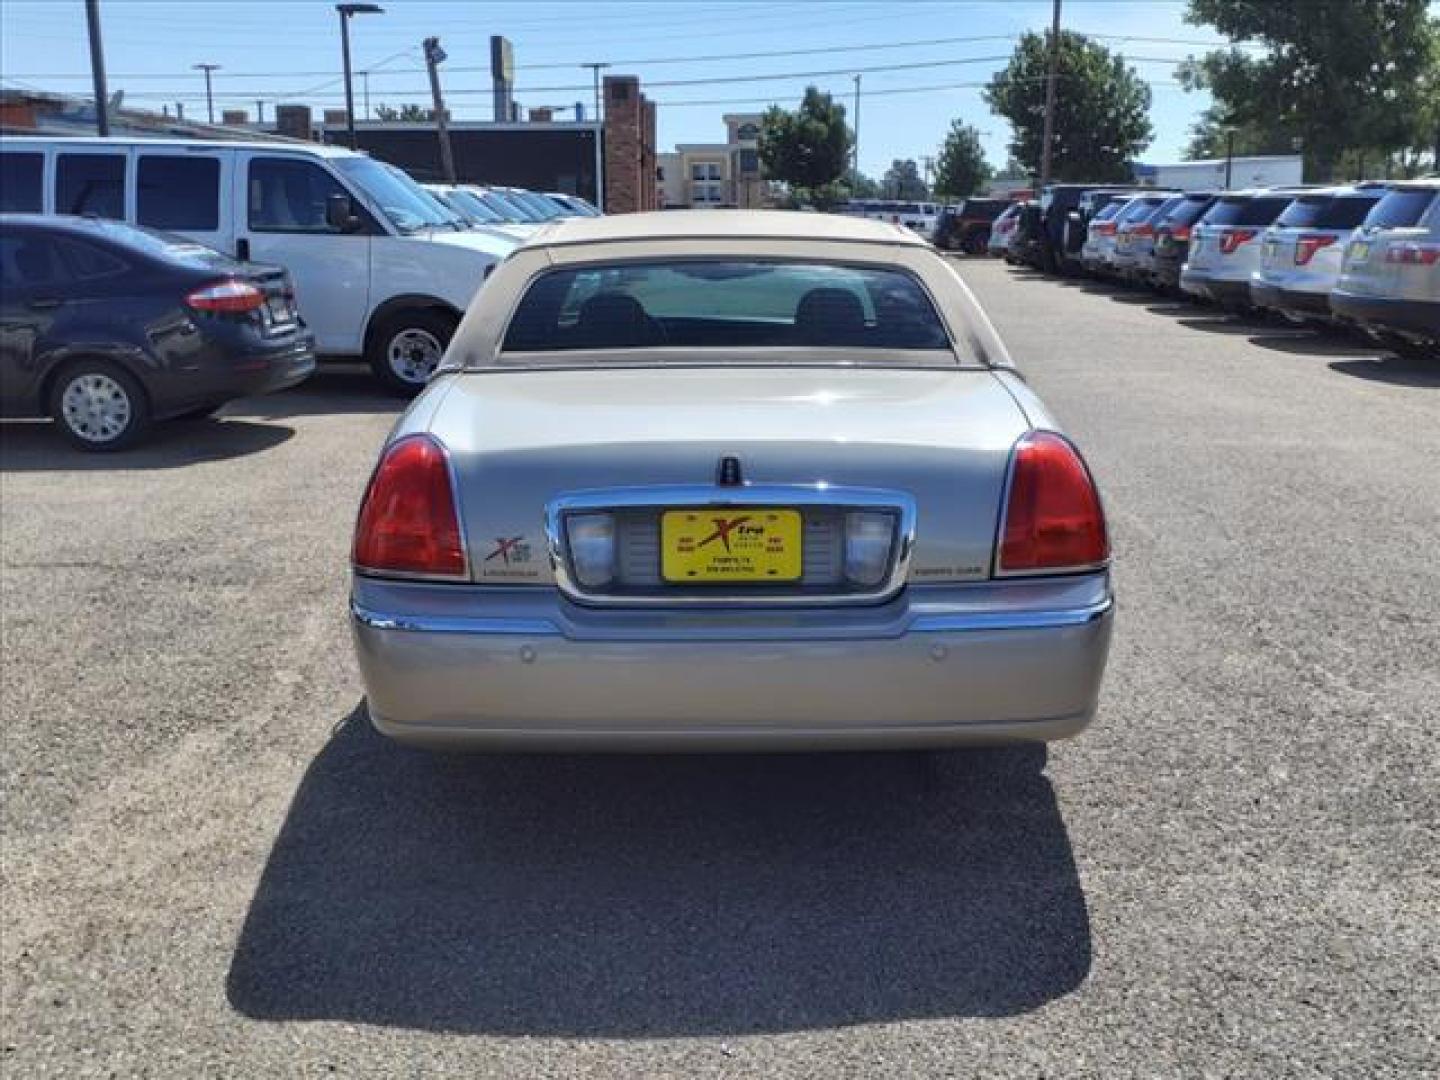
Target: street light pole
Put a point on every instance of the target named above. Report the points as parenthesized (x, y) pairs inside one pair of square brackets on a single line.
[(209, 96), (97, 69), (1045, 150), (599, 154), (1229, 154), (856, 165), (345, 11)]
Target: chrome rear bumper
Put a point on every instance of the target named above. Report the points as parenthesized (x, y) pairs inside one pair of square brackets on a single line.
[(522, 668)]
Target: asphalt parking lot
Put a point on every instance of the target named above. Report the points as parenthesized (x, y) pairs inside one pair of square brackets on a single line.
[(213, 867)]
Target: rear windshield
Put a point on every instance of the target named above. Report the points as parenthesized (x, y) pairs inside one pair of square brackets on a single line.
[(1346, 211), (1261, 210), (1139, 209), (1187, 211), (1400, 208), (1303, 212), (1109, 210), (725, 304)]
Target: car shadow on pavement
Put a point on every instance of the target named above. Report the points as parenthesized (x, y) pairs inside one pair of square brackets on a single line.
[(1389, 368), (35, 446), (617, 896), (333, 389)]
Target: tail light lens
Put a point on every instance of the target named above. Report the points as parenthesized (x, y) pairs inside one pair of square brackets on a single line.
[(1105, 228), (1413, 254), (408, 524), (230, 297), (1180, 232), (1144, 230), (1308, 244), (1231, 240), (1053, 520)]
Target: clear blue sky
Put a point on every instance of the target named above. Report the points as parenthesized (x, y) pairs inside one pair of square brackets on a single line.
[(289, 50)]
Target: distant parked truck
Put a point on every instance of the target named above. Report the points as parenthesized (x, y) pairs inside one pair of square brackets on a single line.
[(1210, 174), (381, 269)]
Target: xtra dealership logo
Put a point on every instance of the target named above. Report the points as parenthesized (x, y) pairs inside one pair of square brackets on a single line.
[(510, 549), (725, 526)]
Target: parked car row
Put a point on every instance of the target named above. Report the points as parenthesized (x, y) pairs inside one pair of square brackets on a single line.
[(1365, 256)]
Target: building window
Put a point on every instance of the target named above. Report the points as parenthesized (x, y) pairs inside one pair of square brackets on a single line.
[(747, 132), (705, 170), (749, 161), (708, 192)]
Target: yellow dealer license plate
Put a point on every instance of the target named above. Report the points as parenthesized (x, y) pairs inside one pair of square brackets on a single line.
[(730, 544)]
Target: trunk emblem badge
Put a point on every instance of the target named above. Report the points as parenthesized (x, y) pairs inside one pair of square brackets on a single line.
[(728, 473)]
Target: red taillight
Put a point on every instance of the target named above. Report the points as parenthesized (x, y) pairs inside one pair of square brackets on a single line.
[(231, 296), (1143, 230), (1412, 254), (1053, 520), (1180, 232), (407, 522), (1308, 244), (1233, 238), (1105, 228)]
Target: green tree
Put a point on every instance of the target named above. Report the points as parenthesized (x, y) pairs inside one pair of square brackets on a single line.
[(1211, 137), (961, 169), (1101, 108), (808, 149), (1336, 75), (863, 187), (902, 181), (410, 114)]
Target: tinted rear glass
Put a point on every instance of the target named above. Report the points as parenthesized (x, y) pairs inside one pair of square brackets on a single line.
[(90, 184), (1401, 208), (1188, 211), (1346, 212), (178, 193), (1303, 212), (20, 182), (1109, 211), (1250, 212), (725, 304), (1139, 209)]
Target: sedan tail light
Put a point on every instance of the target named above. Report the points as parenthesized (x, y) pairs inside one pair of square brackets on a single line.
[(1308, 244), (231, 296), (1413, 254), (408, 523), (1231, 240), (1053, 520)]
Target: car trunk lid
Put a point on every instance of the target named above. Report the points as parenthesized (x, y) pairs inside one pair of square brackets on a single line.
[(518, 440)]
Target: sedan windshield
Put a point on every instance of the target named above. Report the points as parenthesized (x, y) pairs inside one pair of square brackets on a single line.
[(749, 305), (408, 206)]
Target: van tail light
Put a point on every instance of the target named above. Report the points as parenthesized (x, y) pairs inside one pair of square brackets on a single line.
[(229, 297), (1413, 254), (1053, 520), (1308, 244), (1232, 239), (408, 524)]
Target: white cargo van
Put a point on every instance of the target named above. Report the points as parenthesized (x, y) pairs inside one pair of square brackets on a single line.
[(381, 271)]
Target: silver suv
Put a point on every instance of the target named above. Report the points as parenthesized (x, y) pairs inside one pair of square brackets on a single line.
[(1224, 247), (1300, 254), (1390, 279)]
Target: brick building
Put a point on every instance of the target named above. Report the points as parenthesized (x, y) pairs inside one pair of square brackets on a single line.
[(630, 165)]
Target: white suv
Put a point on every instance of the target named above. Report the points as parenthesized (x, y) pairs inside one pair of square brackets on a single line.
[(1300, 254), (1225, 248), (1390, 279)]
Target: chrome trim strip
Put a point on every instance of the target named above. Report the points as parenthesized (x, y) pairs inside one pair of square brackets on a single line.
[(665, 497), (949, 623)]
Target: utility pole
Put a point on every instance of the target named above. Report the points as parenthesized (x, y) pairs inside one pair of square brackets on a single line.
[(929, 162), (209, 96), (259, 110), (1046, 149), (365, 82), (856, 180), (599, 127), (97, 69), (434, 57), (1229, 154), (346, 13)]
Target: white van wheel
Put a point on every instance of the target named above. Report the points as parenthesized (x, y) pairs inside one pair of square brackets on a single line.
[(407, 348)]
